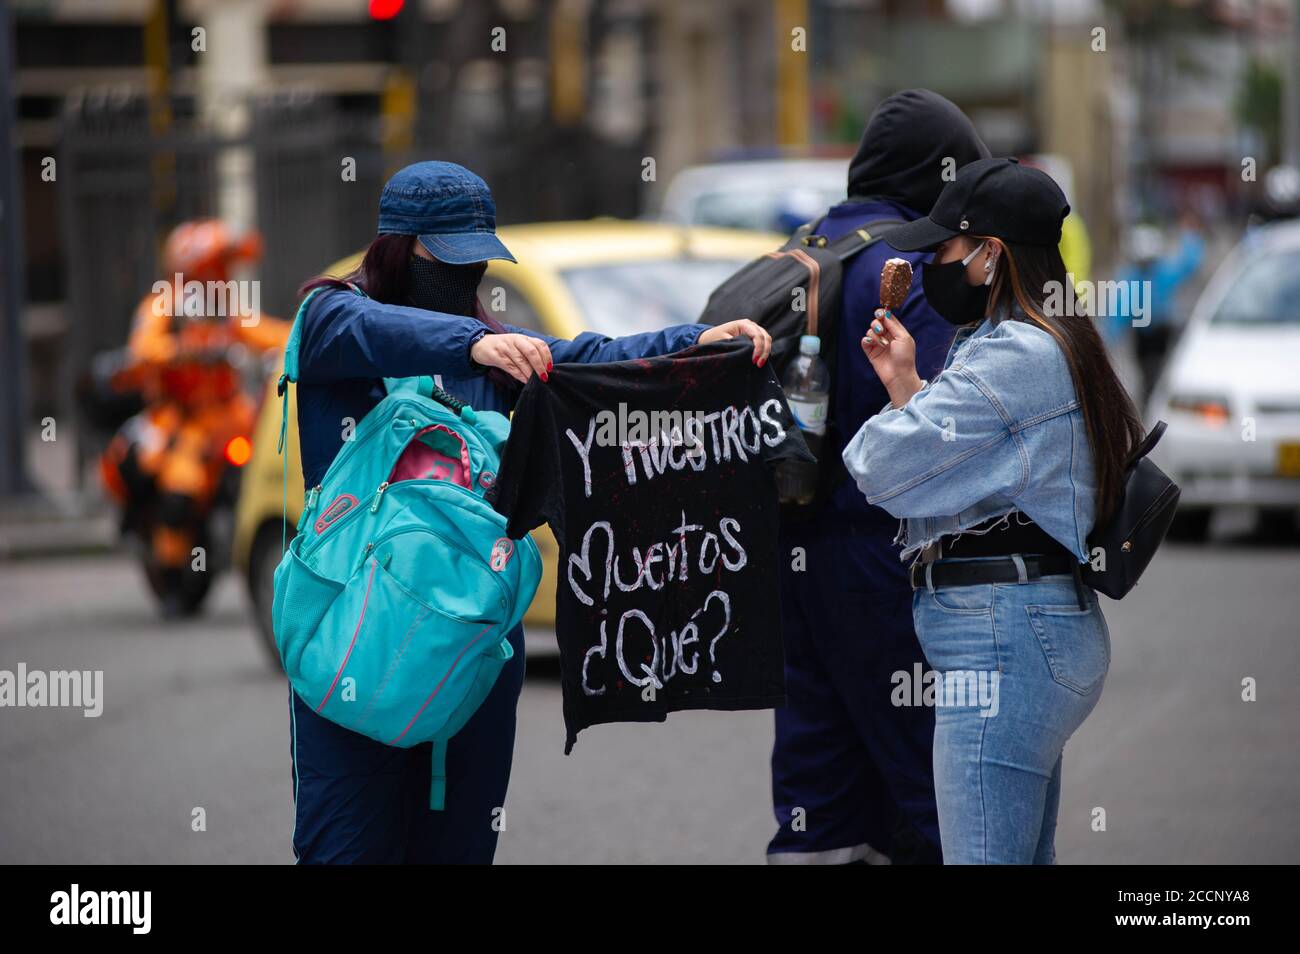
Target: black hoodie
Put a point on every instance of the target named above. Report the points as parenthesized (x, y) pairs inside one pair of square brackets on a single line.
[(901, 156)]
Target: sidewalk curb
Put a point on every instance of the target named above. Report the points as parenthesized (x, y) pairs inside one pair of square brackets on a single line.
[(39, 536)]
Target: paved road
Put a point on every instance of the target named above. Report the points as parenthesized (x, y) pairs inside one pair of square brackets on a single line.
[(1184, 769)]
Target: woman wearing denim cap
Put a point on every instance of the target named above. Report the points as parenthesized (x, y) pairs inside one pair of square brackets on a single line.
[(358, 800), (999, 467)]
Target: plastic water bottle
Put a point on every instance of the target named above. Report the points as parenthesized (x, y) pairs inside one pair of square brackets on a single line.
[(808, 392)]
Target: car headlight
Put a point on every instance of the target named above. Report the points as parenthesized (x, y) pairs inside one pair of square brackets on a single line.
[(1211, 409)]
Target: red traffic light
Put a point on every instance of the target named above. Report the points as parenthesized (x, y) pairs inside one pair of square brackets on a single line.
[(385, 9)]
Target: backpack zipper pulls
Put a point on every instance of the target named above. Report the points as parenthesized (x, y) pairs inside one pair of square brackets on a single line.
[(312, 496), (379, 495)]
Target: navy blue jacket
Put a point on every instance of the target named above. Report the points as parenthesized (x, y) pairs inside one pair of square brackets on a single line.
[(858, 391), (349, 343)]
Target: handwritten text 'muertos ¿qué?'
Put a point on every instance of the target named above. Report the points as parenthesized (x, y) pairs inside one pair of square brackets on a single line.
[(691, 549)]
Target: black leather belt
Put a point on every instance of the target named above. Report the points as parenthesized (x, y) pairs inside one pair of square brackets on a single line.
[(1001, 569)]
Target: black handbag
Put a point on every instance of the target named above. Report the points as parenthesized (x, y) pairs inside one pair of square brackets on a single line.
[(1121, 549)]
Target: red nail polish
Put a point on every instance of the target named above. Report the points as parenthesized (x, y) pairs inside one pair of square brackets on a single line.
[(549, 366)]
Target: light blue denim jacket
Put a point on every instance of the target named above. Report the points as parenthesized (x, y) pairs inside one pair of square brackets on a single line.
[(998, 430)]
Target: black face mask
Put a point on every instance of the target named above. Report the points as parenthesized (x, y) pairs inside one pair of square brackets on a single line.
[(948, 293), (437, 286)]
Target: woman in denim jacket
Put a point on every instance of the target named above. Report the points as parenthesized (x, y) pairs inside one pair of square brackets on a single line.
[(999, 468)]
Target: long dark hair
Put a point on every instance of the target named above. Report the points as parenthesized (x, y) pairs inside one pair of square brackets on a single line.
[(384, 274), (1112, 421)]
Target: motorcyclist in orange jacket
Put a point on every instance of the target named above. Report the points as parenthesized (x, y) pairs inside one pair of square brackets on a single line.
[(189, 338)]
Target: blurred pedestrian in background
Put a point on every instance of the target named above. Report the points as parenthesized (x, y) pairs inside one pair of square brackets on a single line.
[(1157, 271)]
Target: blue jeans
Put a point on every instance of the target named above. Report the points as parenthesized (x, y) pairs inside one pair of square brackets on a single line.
[(1021, 667), (358, 801)]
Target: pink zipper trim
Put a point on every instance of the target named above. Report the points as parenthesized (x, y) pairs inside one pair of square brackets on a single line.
[(328, 517), (438, 688), (343, 665)]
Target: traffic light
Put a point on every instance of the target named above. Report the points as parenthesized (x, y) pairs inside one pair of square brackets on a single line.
[(385, 9)]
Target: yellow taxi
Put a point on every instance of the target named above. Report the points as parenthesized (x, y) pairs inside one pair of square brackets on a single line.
[(607, 276)]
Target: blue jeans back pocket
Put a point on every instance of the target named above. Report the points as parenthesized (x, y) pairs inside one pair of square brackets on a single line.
[(1076, 643)]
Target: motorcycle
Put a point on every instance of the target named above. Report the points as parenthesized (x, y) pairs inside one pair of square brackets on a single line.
[(173, 463)]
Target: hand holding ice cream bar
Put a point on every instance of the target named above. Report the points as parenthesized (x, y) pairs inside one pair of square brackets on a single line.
[(887, 345), (895, 280)]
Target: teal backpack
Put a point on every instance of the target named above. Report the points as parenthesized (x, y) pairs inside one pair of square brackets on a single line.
[(394, 601)]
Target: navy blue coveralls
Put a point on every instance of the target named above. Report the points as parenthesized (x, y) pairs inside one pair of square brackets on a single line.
[(852, 776), (358, 800)]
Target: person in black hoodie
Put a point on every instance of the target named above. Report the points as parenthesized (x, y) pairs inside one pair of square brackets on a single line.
[(852, 772)]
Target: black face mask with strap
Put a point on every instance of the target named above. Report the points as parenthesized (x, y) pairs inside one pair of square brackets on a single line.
[(948, 293), (451, 289)]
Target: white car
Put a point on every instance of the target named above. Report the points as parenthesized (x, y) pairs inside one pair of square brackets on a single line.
[(1231, 389), (776, 195)]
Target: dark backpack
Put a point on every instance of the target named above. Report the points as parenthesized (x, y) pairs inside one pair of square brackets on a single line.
[(1130, 538), (765, 291)]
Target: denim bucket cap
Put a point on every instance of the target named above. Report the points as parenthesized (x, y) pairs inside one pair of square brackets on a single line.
[(448, 207)]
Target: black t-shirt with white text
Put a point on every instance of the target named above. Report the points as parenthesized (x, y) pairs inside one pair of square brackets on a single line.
[(656, 476)]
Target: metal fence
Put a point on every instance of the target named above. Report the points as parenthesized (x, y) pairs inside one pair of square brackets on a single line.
[(126, 184)]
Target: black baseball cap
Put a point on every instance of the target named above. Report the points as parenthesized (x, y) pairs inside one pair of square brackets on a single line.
[(997, 197)]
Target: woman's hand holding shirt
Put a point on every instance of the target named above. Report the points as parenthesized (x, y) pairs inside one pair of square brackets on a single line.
[(521, 355), (517, 355)]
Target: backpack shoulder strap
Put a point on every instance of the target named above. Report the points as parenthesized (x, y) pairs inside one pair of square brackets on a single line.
[(421, 385), (860, 238), (291, 349), (802, 235), (424, 386), (1148, 443), (294, 343), (846, 246), (290, 374)]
